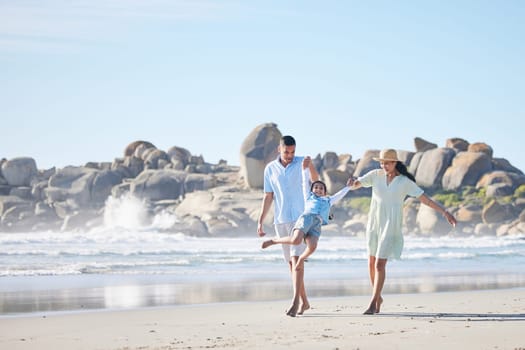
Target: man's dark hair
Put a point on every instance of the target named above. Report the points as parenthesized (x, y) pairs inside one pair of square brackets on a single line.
[(287, 140)]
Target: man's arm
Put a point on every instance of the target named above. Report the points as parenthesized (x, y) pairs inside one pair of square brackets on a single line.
[(265, 207)]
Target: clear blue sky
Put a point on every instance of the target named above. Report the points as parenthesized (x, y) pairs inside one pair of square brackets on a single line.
[(79, 80)]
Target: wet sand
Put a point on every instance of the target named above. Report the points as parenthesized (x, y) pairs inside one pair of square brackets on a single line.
[(487, 319)]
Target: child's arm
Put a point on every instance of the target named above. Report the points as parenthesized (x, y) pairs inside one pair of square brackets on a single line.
[(306, 183), (339, 195), (309, 164)]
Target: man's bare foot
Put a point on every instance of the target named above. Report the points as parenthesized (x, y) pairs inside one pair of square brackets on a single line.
[(303, 308), (267, 243), (378, 304)]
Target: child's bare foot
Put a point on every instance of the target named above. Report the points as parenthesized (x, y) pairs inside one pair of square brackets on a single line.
[(267, 243), (303, 308)]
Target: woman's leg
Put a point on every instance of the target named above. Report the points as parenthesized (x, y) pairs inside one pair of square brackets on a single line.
[(372, 269), (379, 282)]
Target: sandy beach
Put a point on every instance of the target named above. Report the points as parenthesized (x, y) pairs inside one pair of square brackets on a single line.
[(490, 319)]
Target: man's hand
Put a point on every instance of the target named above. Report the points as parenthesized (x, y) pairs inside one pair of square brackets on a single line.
[(260, 230)]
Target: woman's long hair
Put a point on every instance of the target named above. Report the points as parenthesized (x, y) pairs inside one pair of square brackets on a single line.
[(401, 167)]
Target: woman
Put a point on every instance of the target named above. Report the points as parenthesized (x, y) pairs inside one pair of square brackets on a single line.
[(390, 186)]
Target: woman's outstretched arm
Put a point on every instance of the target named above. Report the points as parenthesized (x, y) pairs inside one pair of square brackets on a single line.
[(436, 206)]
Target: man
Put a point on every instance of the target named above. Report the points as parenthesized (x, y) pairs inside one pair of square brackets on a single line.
[(283, 184)]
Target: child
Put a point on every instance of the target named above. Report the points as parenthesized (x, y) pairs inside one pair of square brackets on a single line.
[(308, 225)]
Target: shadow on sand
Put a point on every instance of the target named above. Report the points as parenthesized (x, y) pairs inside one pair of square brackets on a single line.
[(450, 316)]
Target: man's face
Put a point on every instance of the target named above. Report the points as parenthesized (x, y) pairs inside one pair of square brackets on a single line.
[(287, 153)]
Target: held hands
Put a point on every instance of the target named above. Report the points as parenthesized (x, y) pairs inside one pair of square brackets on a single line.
[(306, 162), (351, 181)]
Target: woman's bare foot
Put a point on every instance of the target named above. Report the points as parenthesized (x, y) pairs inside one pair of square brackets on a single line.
[(303, 308), (378, 304), (371, 309), (267, 243)]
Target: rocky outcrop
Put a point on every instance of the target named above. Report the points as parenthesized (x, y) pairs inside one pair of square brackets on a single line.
[(181, 192)]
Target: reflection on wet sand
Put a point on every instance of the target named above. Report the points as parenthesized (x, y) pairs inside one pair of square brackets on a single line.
[(151, 295)]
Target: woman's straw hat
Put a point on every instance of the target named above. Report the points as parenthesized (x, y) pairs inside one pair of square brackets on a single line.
[(387, 155)]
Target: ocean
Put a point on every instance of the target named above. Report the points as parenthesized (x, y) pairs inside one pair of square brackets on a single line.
[(118, 266)]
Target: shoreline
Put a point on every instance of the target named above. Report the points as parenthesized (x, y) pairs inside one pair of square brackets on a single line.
[(44, 295), (453, 320)]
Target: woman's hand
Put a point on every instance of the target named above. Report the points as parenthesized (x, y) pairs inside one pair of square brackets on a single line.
[(450, 218)]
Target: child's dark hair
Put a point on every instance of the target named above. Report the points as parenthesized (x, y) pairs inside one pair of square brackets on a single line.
[(317, 182), (401, 167)]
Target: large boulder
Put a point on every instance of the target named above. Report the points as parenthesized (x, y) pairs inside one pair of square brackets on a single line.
[(414, 163), (432, 166), (405, 157), (466, 169), (199, 182), (458, 144), (481, 147), (103, 183), (367, 163), (330, 160), (258, 149), (19, 171), (156, 159), (155, 185), (470, 213), (334, 180), (345, 163), (432, 223), (423, 145), (134, 166), (179, 156), (131, 148), (71, 184), (224, 210), (503, 164), (8, 202), (494, 212), (511, 179)]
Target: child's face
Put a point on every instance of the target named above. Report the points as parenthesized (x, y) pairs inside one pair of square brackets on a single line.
[(318, 189)]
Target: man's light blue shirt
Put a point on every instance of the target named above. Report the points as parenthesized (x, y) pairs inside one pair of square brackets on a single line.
[(286, 185)]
